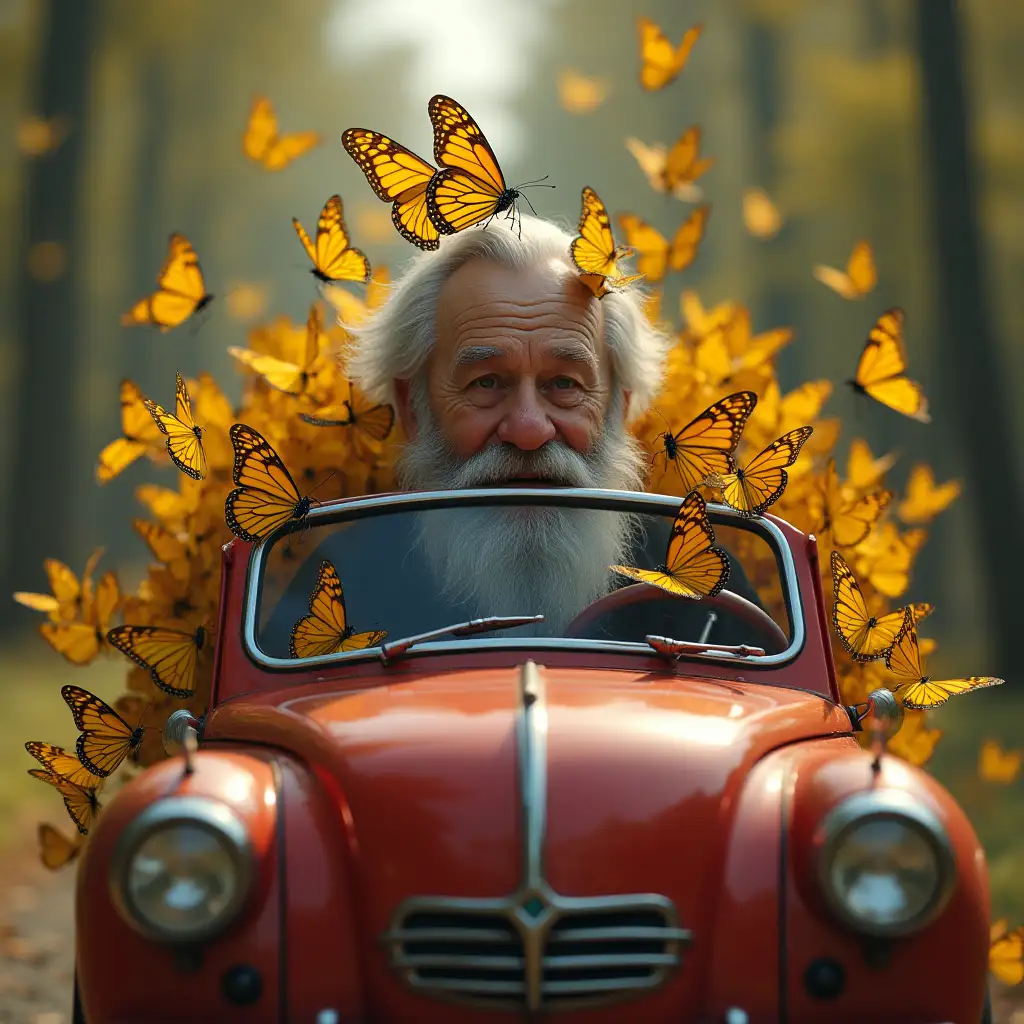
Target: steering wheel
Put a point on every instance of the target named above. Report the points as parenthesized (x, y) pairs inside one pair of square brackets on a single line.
[(640, 593)]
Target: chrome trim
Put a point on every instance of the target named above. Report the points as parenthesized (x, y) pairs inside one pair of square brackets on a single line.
[(571, 497), (199, 811), (885, 804), (530, 916)]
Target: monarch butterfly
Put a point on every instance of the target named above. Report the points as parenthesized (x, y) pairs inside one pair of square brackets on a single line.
[(760, 483), (998, 765), (107, 739), (65, 601), (1006, 952), (693, 567), (660, 61), (397, 176), (139, 435), (849, 521), (280, 374), (864, 637), (655, 253), (761, 217), (863, 470), (924, 500), (181, 291), (652, 161), (859, 278), (265, 496), (55, 849), (81, 801), (580, 94), (333, 258), (594, 250), (184, 438), (264, 144), (170, 549), (170, 655), (325, 630), (917, 689), (357, 411), (705, 445), (80, 641), (58, 761), (883, 363), (469, 187)]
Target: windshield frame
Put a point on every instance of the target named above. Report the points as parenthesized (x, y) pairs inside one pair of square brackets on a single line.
[(571, 497)]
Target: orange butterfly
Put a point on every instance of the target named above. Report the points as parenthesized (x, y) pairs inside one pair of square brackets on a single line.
[(325, 630), (333, 258), (594, 251), (181, 291), (139, 435), (660, 61), (264, 144), (859, 278), (655, 254)]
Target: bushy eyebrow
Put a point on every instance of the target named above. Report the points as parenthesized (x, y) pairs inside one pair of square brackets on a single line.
[(571, 352), (472, 354)]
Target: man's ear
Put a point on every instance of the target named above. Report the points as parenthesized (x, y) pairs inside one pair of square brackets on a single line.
[(406, 414)]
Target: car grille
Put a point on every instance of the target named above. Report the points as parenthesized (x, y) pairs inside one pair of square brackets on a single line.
[(499, 958)]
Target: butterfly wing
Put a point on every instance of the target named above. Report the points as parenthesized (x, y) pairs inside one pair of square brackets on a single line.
[(334, 258), (705, 445), (55, 849), (456, 200), (593, 251), (280, 374), (860, 269), (850, 522), (764, 478), (184, 439), (60, 762), (75, 641), (181, 290), (169, 655), (374, 420), (864, 637), (260, 130), (683, 165), (81, 803), (930, 693), (924, 500), (107, 739), (660, 61), (1006, 953), (686, 243), (650, 245)]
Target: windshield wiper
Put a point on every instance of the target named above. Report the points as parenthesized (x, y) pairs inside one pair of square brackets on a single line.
[(671, 648), (396, 648)]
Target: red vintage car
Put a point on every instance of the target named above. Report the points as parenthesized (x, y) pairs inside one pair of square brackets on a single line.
[(660, 814)]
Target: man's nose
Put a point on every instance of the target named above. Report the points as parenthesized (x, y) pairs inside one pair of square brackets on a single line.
[(526, 424)]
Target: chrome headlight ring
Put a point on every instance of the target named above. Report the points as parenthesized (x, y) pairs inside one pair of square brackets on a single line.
[(182, 870), (886, 866)]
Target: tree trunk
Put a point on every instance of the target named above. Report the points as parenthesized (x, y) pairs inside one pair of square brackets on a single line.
[(972, 388)]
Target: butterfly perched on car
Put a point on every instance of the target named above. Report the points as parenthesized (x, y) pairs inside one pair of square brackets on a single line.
[(55, 849), (693, 567), (917, 689), (849, 520), (859, 277), (881, 371), (594, 251), (754, 487), (655, 254), (333, 258), (139, 435), (181, 291), (865, 637), (705, 445), (184, 437), (660, 61), (373, 420), (265, 496), (60, 762), (325, 630), (266, 145), (169, 655), (106, 738), (282, 374), (81, 802)]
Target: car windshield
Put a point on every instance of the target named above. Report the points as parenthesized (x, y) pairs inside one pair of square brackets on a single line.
[(357, 577)]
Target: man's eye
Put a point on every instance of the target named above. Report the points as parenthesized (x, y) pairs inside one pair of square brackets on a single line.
[(565, 383), (487, 383)]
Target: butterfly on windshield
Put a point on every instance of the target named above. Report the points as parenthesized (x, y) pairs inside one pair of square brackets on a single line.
[(882, 368), (281, 374), (374, 419), (184, 438), (865, 637), (849, 520), (106, 738), (81, 801), (325, 630), (139, 435), (169, 655), (264, 144), (58, 761), (469, 187), (705, 445), (79, 641), (55, 849), (594, 251), (693, 567), (265, 496), (181, 291), (859, 278), (760, 483), (917, 689), (660, 61), (655, 254), (397, 176), (333, 258)]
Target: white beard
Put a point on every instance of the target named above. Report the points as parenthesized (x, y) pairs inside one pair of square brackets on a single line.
[(524, 560)]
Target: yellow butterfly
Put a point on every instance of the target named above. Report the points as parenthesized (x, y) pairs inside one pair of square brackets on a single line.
[(55, 849), (170, 507), (660, 61), (1006, 952), (64, 603), (81, 801), (849, 521), (914, 742), (923, 500), (397, 176), (181, 291), (683, 165), (106, 738), (865, 637), (705, 445), (169, 655), (139, 435), (859, 278), (760, 483), (353, 311), (80, 641), (863, 471), (885, 558), (655, 254), (325, 630), (880, 372), (369, 420), (998, 765), (333, 258), (579, 94), (168, 548), (184, 438), (265, 496), (281, 374), (58, 761), (264, 144), (693, 567), (917, 689), (594, 251), (653, 160), (761, 216)]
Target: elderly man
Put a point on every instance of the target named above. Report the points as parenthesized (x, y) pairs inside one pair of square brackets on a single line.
[(505, 369)]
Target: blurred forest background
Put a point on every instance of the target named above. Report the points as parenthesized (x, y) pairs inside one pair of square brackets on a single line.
[(899, 121)]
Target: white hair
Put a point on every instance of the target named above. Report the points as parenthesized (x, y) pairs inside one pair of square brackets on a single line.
[(396, 342)]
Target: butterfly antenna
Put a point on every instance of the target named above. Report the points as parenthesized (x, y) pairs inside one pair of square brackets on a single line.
[(526, 199), (536, 183), (322, 482)]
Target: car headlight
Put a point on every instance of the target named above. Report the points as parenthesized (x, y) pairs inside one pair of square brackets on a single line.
[(182, 869), (885, 863)]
